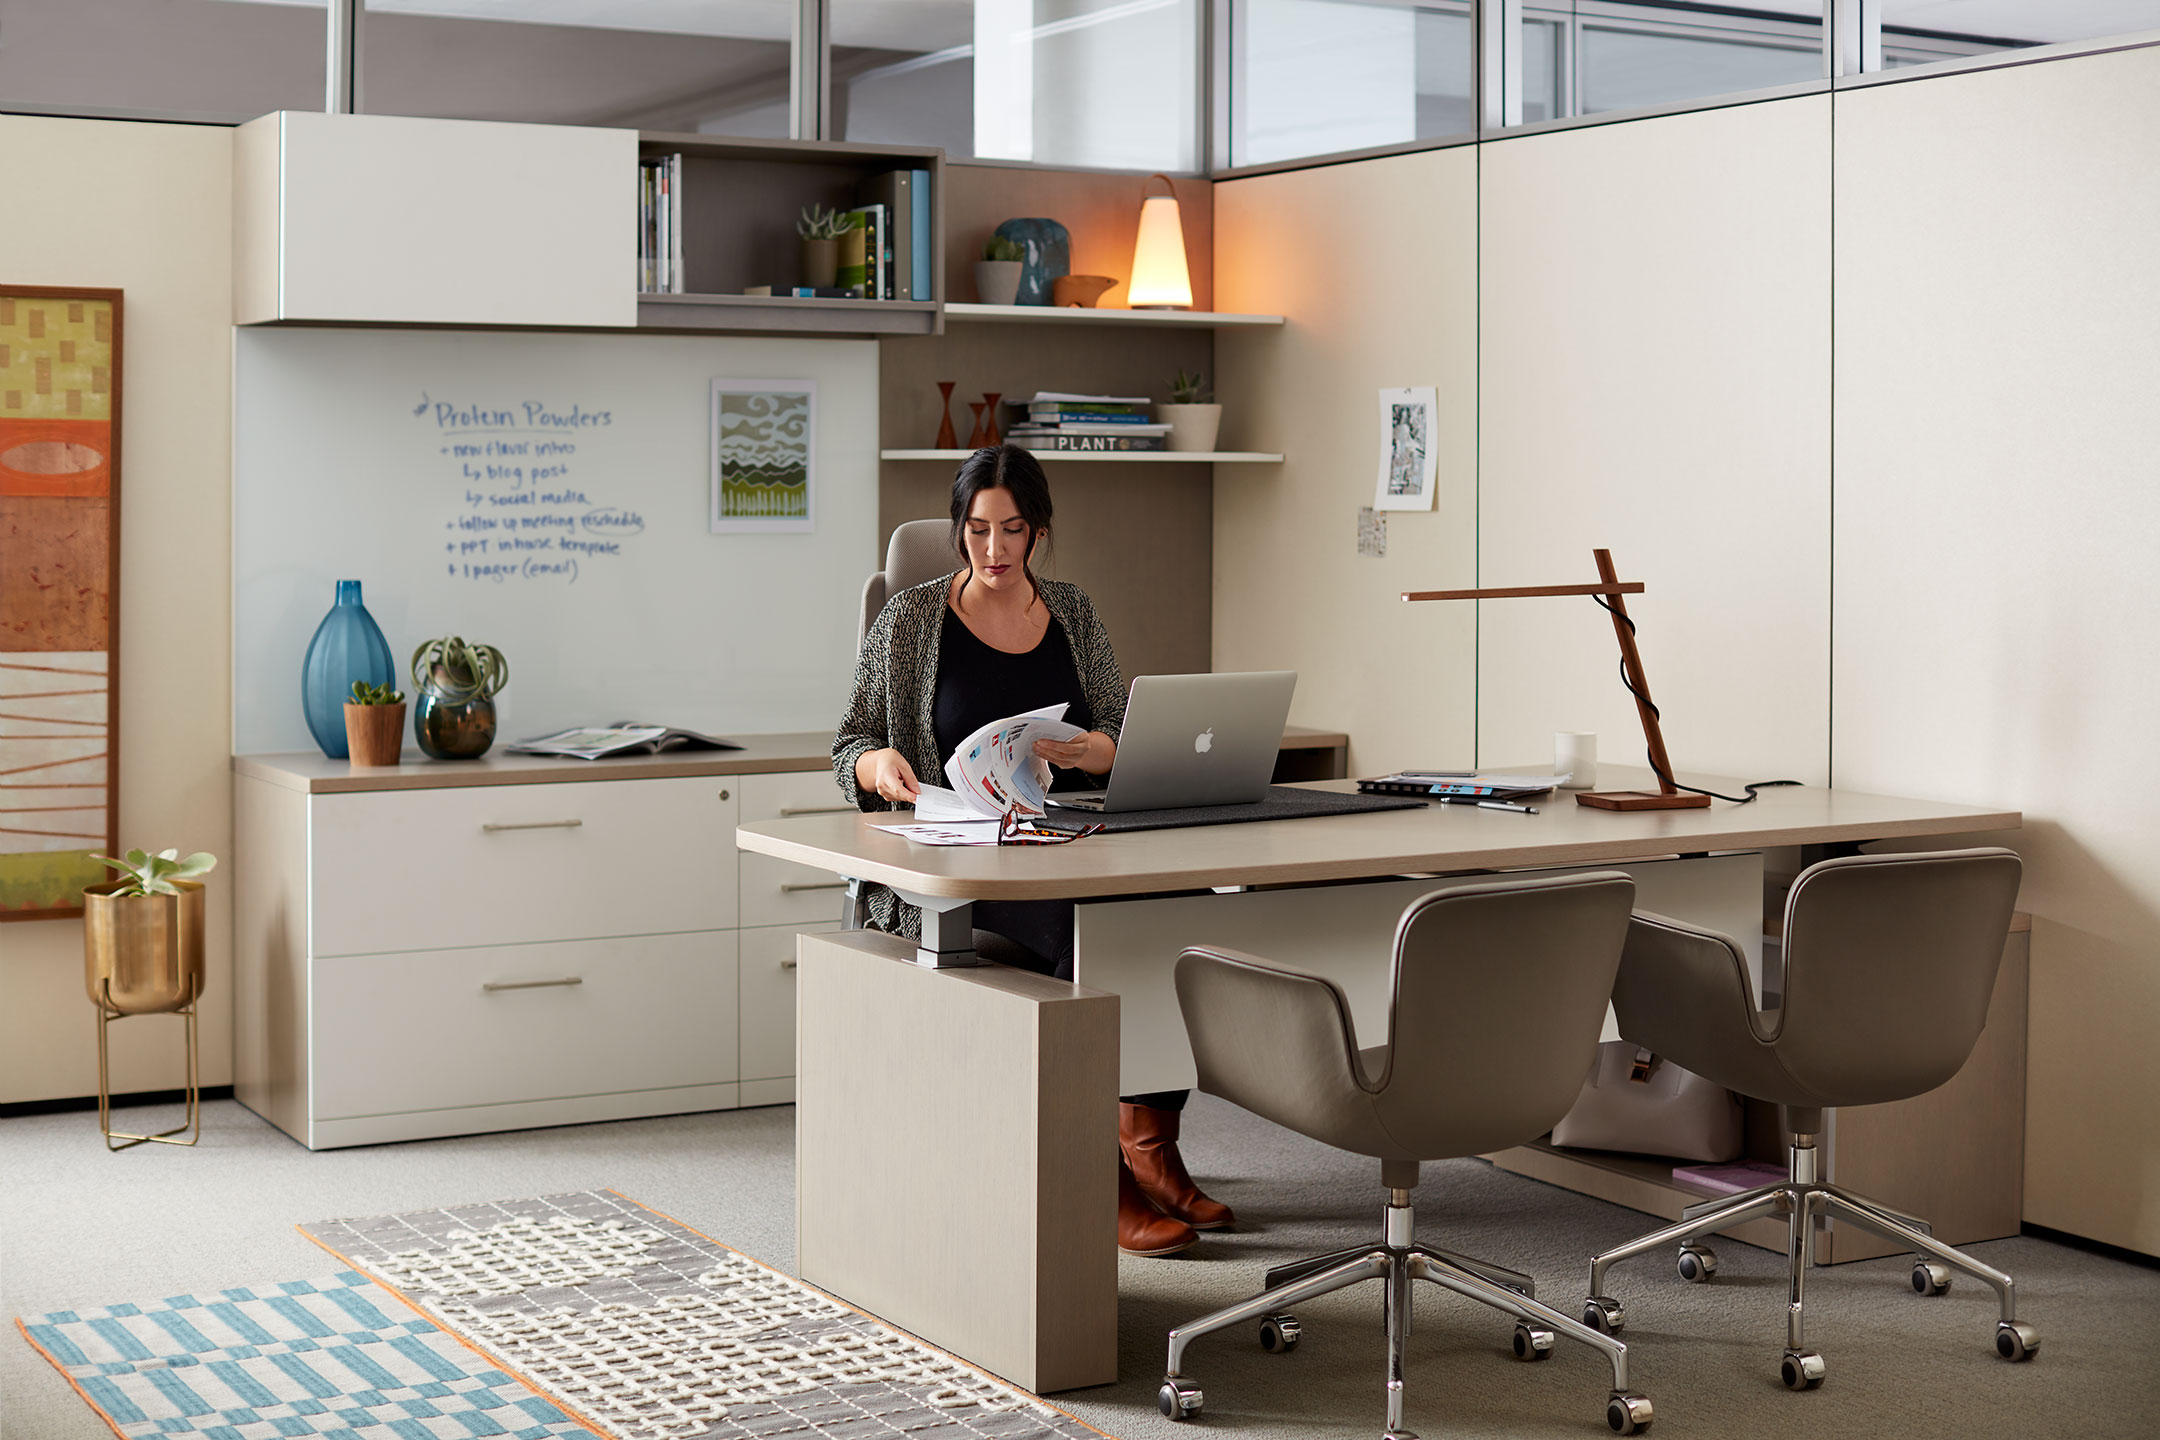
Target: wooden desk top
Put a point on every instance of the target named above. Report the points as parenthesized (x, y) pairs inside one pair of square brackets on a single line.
[(1347, 847), (314, 773)]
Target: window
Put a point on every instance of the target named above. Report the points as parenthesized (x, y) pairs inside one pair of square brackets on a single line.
[(1919, 32), (713, 66), (1111, 84), (1589, 56), (210, 60), (1312, 77)]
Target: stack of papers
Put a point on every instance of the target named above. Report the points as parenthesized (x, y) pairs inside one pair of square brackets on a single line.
[(1482, 786)]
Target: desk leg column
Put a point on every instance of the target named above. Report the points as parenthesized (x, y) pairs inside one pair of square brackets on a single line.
[(948, 931)]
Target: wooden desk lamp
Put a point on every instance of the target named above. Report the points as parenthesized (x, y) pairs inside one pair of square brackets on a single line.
[(1611, 588)]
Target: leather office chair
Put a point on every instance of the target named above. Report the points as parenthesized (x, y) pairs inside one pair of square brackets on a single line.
[(1498, 995), (1889, 965), (919, 550)]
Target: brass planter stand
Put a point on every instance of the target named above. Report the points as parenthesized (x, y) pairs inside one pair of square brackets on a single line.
[(143, 955)]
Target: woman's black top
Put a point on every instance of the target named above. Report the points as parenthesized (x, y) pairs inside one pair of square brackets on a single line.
[(978, 684)]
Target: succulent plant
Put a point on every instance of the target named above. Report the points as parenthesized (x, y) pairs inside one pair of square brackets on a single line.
[(366, 694), (819, 223), (154, 874), (997, 247), (1189, 389), (452, 670)]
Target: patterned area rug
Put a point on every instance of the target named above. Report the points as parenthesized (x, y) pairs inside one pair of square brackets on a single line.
[(653, 1332), (338, 1356)]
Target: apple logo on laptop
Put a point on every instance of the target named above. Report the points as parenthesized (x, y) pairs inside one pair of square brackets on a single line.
[(1204, 741)]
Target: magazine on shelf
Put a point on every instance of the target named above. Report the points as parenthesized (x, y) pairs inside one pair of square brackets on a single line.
[(622, 738)]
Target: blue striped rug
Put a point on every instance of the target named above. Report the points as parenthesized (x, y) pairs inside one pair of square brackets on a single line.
[(338, 1356)]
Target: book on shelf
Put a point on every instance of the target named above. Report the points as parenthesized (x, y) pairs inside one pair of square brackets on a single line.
[(801, 292), (1085, 427), (1086, 444), (865, 280), (1059, 399), (1052, 415), (622, 738), (660, 254)]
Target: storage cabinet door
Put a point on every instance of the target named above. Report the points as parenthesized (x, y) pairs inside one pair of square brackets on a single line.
[(449, 1028), (503, 864), (776, 891), (768, 999)]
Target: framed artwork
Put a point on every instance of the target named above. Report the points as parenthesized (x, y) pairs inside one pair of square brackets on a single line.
[(764, 457), (59, 595), (1407, 462)]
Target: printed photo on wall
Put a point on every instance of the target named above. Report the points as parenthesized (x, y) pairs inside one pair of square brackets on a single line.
[(764, 462), (1407, 461)]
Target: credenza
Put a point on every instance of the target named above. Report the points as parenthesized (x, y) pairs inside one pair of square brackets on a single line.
[(448, 947)]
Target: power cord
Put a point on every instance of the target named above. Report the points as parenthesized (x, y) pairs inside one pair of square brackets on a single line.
[(1648, 704)]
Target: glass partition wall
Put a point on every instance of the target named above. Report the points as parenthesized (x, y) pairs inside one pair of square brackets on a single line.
[(1186, 86)]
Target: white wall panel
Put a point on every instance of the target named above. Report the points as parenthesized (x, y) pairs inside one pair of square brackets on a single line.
[(1376, 267), (1654, 379), (1998, 501)]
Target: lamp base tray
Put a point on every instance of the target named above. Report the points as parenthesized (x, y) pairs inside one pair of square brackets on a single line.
[(1640, 800)]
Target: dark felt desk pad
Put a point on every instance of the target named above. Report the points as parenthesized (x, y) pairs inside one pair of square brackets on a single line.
[(1282, 803)]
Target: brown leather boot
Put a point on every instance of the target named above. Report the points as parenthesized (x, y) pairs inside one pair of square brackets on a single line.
[(1141, 1228), (1148, 1138)]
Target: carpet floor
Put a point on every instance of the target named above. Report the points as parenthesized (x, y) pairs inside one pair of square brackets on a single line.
[(79, 1227)]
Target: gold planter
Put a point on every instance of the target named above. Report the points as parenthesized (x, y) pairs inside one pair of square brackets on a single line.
[(143, 955)]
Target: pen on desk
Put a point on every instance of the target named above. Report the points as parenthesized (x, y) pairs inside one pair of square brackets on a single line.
[(1503, 805)]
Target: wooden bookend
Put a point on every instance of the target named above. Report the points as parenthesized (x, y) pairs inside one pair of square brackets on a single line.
[(1640, 800)]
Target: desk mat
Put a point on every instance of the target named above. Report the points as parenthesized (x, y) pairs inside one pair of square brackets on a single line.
[(651, 1331), (1283, 803)]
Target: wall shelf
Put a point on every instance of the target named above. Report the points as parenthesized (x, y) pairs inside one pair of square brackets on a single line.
[(1160, 457), (1081, 315), (785, 313)]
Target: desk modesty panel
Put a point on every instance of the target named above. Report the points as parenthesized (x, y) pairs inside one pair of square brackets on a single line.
[(1350, 847)]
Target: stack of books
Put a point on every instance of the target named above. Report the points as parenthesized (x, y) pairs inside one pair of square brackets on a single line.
[(660, 260), (1085, 423)]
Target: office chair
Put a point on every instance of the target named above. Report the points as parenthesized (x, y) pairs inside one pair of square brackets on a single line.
[(919, 550), (1497, 998), (1889, 965)]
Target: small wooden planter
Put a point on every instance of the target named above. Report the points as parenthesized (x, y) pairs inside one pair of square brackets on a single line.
[(374, 733)]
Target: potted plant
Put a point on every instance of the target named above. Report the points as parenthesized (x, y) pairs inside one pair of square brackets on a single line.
[(997, 274), (457, 683), (820, 231), (1192, 417), (374, 724), (143, 955)]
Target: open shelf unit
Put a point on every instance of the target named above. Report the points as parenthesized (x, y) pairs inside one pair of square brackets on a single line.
[(740, 201), (1081, 315), (1160, 457)]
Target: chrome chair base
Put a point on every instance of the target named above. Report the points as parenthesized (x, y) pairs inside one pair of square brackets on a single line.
[(1395, 1262), (1801, 1200)]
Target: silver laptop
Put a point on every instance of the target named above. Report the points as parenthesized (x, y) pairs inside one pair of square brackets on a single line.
[(1194, 740)]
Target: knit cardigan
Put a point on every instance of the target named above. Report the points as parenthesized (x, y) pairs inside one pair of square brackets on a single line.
[(896, 693)]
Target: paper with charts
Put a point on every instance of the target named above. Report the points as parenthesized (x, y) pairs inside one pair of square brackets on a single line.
[(993, 771)]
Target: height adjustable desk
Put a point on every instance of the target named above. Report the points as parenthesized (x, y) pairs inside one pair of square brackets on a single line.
[(956, 1160)]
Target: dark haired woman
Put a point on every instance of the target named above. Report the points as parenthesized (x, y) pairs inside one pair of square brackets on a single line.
[(949, 656)]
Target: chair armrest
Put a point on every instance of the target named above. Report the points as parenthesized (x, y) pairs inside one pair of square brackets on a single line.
[(1682, 991), (1278, 1042)]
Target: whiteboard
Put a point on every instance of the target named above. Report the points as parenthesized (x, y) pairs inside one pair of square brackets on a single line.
[(547, 494)]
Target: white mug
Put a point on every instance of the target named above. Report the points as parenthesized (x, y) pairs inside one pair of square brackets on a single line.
[(1574, 754)]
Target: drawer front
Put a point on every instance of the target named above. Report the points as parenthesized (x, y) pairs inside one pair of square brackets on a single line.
[(392, 1034), (780, 892), (508, 864), (768, 999)]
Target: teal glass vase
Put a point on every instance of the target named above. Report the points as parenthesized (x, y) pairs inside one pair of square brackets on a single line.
[(348, 646)]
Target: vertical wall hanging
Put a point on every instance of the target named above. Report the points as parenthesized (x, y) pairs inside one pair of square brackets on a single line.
[(59, 595)]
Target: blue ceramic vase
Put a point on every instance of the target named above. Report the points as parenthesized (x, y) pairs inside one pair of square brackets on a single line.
[(1049, 255), (348, 646)]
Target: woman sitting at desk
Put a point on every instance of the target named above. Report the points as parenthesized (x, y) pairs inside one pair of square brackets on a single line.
[(946, 658)]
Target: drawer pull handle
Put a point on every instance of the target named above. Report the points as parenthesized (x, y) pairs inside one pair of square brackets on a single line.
[(787, 964), (789, 887), (533, 825), (493, 985), (787, 810)]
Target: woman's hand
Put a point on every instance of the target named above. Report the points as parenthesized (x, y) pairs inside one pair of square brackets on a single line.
[(886, 774), (1092, 752)]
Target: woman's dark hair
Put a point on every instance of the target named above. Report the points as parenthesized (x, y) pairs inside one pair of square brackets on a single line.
[(1009, 468)]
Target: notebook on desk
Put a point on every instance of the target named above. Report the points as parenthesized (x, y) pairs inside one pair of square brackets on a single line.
[(1282, 802)]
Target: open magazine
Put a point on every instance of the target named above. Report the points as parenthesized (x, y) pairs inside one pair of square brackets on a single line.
[(993, 771), (621, 738)]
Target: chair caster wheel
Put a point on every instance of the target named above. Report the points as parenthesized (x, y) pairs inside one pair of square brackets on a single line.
[(1697, 1263), (1929, 1278), (1279, 1334), (1627, 1413), (1603, 1315), (2015, 1340), (1178, 1399), (1532, 1342), (1802, 1370)]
